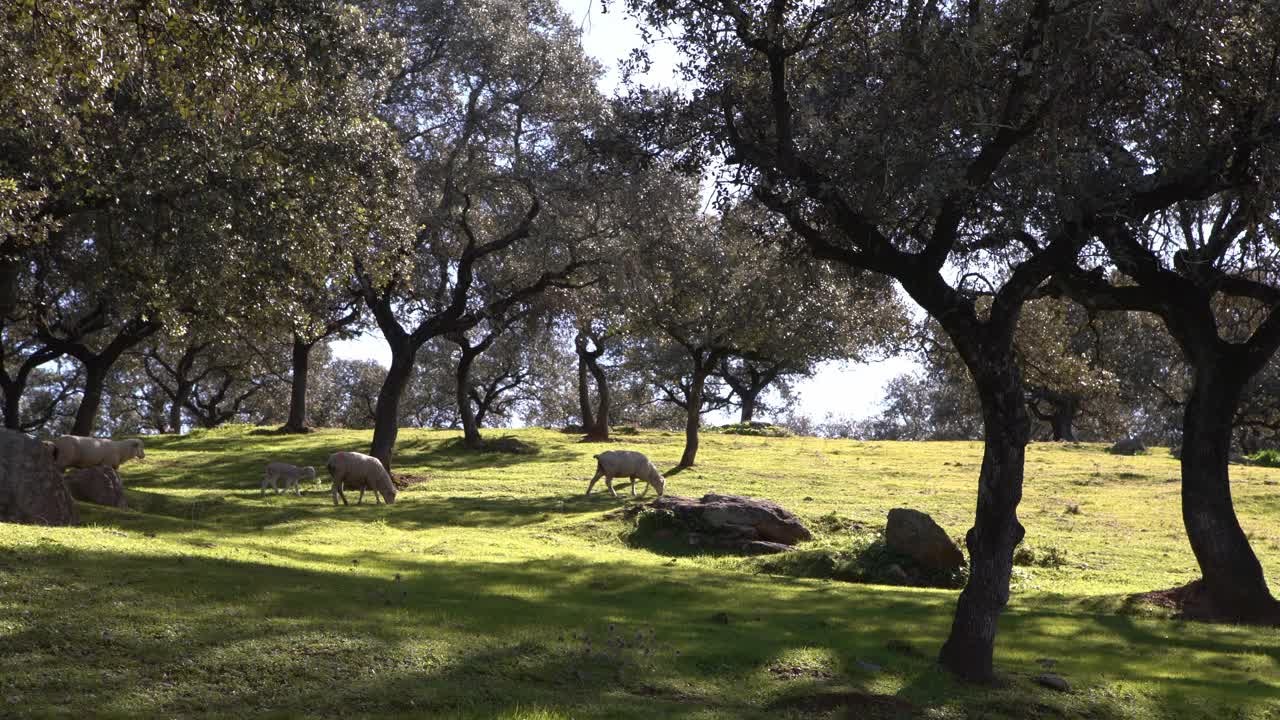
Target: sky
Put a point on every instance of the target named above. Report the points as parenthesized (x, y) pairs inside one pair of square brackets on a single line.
[(838, 389)]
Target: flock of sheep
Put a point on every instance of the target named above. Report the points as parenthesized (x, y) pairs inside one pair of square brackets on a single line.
[(349, 470)]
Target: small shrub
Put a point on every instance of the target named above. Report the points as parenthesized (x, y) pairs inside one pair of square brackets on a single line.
[(1266, 458), (867, 560), (1050, 557), (625, 430), (754, 429)]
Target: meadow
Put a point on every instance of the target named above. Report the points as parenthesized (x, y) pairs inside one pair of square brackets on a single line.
[(493, 588)]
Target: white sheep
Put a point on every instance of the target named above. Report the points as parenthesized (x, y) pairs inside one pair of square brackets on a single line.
[(357, 470), (81, 452), (287, 475), (628, 464)]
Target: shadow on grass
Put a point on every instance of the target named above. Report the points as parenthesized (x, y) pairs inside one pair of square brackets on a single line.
[(230, 512), (194, 635)]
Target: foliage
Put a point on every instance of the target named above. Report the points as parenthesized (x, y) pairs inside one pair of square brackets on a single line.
[(755, 429)]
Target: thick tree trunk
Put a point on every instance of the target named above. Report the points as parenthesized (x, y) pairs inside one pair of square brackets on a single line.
[(297, 421), (470, 431), (181, 398), (13, 392), (693, 419), (598, 431), (386, 414), (584, 395), (969, 649), (1063, 424), (748, 406), (95, 380), (9, 267), (1233, 577)]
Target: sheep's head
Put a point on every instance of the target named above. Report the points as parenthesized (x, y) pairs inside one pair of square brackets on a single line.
[(136, 447), (659, 483), (310, 472), (388, 488)]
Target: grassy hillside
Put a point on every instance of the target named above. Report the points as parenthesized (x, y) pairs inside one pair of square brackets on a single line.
[(492, 588)]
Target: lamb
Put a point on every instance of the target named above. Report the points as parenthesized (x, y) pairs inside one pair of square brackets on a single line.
[(82, 452), (288, 475), (357, 470), (629, 464)]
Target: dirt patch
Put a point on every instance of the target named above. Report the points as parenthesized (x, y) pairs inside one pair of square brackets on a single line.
[(1191, 602), (856, 705), (406, 480)]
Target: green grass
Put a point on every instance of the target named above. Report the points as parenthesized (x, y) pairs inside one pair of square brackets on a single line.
[(490, 589)]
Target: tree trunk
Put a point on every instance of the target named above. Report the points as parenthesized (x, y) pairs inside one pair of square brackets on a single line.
[(297, 421), (1063, 423), (9, 268), (462, 380), (748, 405), (969, 649), (181, 398), (386, 414), (693, 419), (584, 395), (95, 379), (13, 392), (1233, 577), (598, 431)]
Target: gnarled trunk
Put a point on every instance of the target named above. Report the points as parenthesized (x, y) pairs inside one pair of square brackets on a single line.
[(181, 398), (95, 380), (462, 376), (13, 392), (598, 431), (386, 414), (748, 406), (297, 421), (584, 394), (1233, 577), (693, 418), (970, 647)]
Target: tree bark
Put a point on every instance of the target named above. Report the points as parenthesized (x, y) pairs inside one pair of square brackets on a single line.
[(598, 431), (1233, 577), (970, 647), (297, 421), (95, 380), (13, 392), (181, 398), (462, 379), (584, 394), (693, 418), (386, 414), (748, 406)]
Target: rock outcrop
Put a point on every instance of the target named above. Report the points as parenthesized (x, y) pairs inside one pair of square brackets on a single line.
[(31, 488)]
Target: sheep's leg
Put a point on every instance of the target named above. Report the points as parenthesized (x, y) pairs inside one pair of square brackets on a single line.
[(336, 491), (361, 500), (608, 482), (599, 472), (265, 477), (633, 487)]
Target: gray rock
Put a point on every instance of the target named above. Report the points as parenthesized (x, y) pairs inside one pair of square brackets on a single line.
[(31, 489), (868, 666), (735, 521), (1127, 446), (99, 485), (1054, 682), (916, 535)]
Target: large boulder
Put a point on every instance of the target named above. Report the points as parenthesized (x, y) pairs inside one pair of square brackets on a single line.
[(31, 488), (1128, 446), (916, 535), (734, 522), (99, 485)]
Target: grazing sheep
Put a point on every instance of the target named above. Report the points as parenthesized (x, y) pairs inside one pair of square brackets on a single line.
[(628, 464), (288, 475), (82, 452), (357, 470)]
